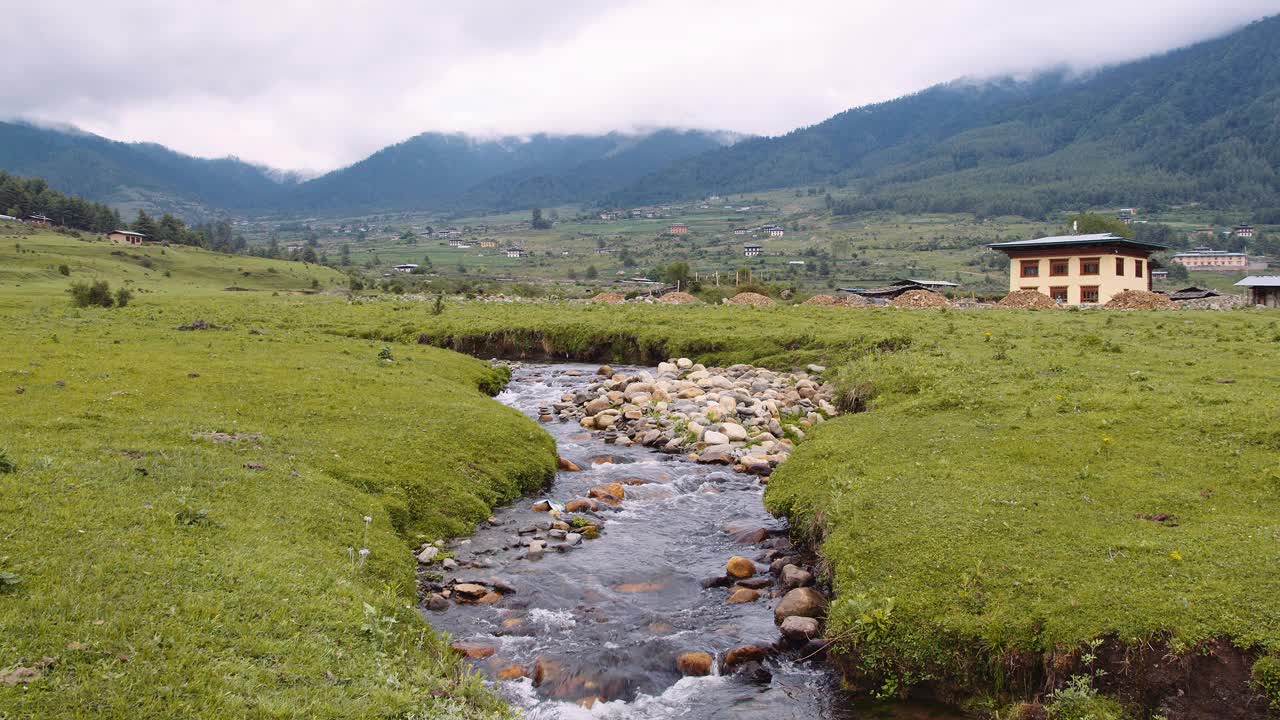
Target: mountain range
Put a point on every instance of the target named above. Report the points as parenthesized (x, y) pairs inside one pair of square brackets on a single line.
[(1194, 124)]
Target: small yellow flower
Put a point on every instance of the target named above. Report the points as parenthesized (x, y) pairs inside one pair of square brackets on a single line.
[(1106, 439), (1177, 556)]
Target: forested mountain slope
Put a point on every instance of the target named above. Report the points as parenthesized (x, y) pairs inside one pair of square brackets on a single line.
[(1198, 123)]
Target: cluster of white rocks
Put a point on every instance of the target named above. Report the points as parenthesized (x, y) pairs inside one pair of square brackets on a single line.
[(742, 415)]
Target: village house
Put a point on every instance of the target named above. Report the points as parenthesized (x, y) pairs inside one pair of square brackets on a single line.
[(405, 268), (43, 221), (1244, 231), (678, 229), (741, 231), (488, 243), (515, 253), (1263, 289), (752, 250), (1203, 258), (1079, 269), (773, 230), (126, 237)]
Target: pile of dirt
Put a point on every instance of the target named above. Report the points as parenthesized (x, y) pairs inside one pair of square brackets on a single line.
[(752, 299), (1221, 302), (833, 301), (1029, 299), (679, 298), (920, 299), (611, 298), (1139, 300)]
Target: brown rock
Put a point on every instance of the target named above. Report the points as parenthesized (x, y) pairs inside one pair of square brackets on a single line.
[(805, 602), (694, 663), (740, 567), (567, 465), (489, 598), (794, 576), (795, 627), (578, 505), (742, 654), (547, 670), (747, 536), (470, 591), (511, 672), (542, 506), (473, 650), (743, 595), (609, 493), (639, 587)]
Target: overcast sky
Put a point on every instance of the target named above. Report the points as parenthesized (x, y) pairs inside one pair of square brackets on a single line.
[(317, 84)]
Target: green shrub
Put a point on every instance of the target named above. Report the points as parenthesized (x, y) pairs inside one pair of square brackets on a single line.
[(1079, 701), (95, 294), (64, 269), (7, 465), (123, 296), (1266, 677)]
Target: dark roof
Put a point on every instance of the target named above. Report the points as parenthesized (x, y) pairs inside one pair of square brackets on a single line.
[(1193, 293), (1071, 240), (888, 291)]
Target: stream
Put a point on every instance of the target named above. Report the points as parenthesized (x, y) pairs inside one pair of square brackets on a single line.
[(602, 623)]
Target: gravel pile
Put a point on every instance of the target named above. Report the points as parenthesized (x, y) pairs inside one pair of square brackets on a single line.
[(833, 301), (1029, 299), (752, 299), (920, 299), (1139, 300), (743, 416), (1221, 302), (611, 298), (678, 298)]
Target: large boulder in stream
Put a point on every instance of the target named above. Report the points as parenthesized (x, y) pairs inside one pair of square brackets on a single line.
[(694, 664), (805, 602), (740, 567)]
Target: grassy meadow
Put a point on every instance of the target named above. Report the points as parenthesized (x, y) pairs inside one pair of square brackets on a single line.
[(182, 528), (1021, 481)]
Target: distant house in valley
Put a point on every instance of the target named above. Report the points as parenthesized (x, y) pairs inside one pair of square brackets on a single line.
[(741, 231), (678, 229), (405, 268), (603, 251), (7, 217), (488, 243), (1203, 258), (773, 230), (126, 237), (1244, 231), (1079, 269), (752, 250), (515, 253), (39, 220), (1263, 289)]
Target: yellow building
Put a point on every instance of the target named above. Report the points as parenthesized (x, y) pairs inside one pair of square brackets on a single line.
[(1079, 269)]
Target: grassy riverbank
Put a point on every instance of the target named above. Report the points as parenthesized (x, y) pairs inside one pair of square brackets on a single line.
[(181, 528), (994, 508)]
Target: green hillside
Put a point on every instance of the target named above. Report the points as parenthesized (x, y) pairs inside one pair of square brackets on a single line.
[(30, 267), (1195, 124)]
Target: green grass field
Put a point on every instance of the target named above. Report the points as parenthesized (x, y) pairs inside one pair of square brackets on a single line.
[(989, 503), (167, 574)]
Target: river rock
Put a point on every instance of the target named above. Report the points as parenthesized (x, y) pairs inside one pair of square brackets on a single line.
[(609, 493), (684, 363), (437, 602), (717, 454), (572, 539), (805, 602), (449, 564), (605, 370), (542, 506), (740, 567), (567, 465), (799, 628), (473, 650), (578, 505), (536, 547), (712, 437), (428, 554), (794, 576), (694, 664), (747, 536), (743, 595), (734, 432), (469, 592), (740, 655)]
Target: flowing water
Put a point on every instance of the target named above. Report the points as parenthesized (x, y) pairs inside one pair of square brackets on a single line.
[(608, 617)]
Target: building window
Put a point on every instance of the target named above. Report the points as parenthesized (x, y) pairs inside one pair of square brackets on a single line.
[(1059, 294), (1137, 268), (1089, 266), (1089, 293), (1059, 267), (1119, 266), (1030, 268), (1024, 288)]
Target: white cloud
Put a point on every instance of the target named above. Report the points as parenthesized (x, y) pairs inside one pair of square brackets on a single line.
[(319, 84)]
